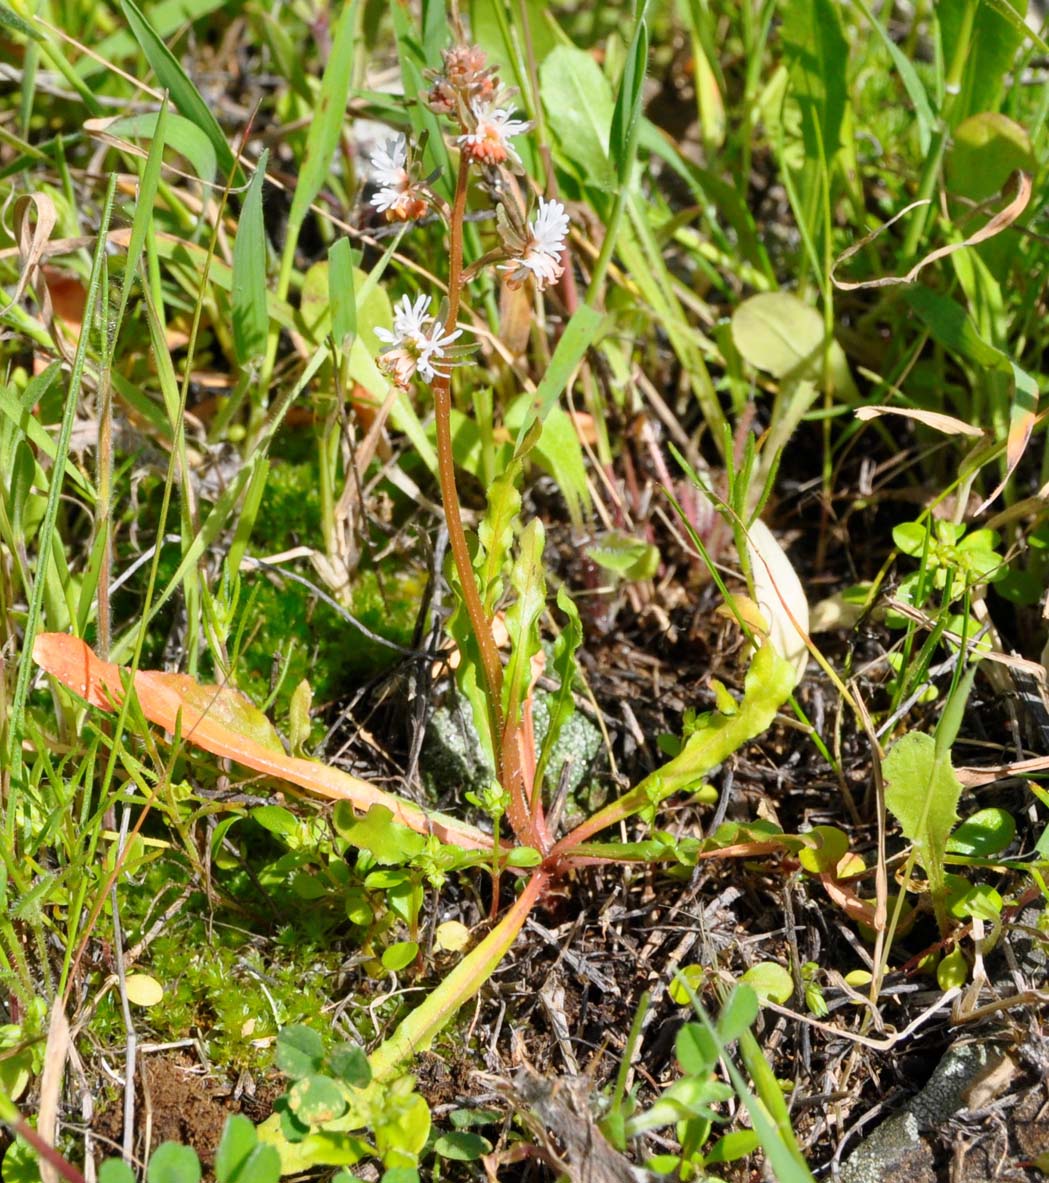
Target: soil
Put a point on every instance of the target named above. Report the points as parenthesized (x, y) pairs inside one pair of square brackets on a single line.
[(177, 1100)]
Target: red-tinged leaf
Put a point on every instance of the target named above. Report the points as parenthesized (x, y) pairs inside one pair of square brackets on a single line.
[(222, 721)]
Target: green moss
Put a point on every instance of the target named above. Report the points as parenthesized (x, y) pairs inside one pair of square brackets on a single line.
[(232, 977)]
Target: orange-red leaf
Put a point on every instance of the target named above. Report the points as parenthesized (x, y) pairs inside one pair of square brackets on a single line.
[(222, 721)]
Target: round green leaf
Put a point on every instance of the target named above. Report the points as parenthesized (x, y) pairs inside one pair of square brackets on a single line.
[(780, 334), (985, 833), (276, 819), (316, 1100), (770, 981), (115, 1170), (238, 1141), (524, 856), (300, 1051), (350, 1064), (688, 977), (732, 1146), (172, 1163), (824, 848)]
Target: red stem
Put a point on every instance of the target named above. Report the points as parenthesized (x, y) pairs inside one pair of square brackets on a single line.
[(504, 738)]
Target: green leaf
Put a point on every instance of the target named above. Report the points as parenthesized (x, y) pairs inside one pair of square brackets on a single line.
[(696, 1050), (342, 292), (622, 136), (241, 1158), (316, 1100), (579, 335), (350, 1065), (817, 55), (181, 134), (462, 1146), (371, 309), (769, 980), (779, 333), (732, 1146), (276, 819), (329, 115), (491, 29), (399, 955), (173, 78), (922, 792), (910, 538), (984, 834), (300, 1051), (823, 849), (172, 1163), (739, 1012), (522, 618), (632, 558), (496, 532), (11, 20), (115, 1170), (985, 150), (989, 53), (390, 843), (238, 1141), (579, 110), (558, 452), (524, 856), (561, 705), (250, 316), (767, 686), (400, 1175), (952, 971), (951, 326), (144, 206)]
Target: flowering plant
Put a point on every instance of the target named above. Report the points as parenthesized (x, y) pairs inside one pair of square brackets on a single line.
[(503, 562)]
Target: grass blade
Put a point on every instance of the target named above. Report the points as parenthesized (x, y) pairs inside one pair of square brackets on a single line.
[(174, 79), (250, 318)]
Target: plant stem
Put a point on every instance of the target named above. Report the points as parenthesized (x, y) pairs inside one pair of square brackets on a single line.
[(507, 757), (417, 1030)]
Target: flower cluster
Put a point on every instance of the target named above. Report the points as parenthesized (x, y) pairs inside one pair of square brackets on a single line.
[(418, 343), (489, 128), (464, 79), (468, 91), (537, 254), (398, 199)]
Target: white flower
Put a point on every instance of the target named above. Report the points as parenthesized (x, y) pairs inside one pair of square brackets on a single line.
[(432, 362), (396, 197), (487, 143), (417, 343), (386, 199), (389, 164), (409, 321), (541, 254)]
